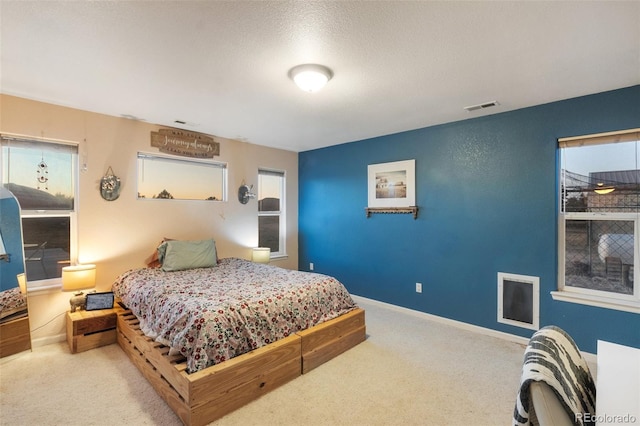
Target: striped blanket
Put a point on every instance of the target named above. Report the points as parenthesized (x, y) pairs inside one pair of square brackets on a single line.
[(553, 357)]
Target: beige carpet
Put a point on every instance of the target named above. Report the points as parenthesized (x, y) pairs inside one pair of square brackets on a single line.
[(410, 371)]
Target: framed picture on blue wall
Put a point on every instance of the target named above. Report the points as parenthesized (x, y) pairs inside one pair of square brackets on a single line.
[(392, 184)]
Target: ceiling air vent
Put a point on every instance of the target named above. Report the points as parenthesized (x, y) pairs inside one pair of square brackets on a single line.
[(481, 106), (185, 123)]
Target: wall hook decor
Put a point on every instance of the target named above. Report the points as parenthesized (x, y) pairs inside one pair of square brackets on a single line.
[(110, 186), (245, 193)]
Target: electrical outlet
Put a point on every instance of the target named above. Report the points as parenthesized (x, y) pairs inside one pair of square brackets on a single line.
[(418, 287), (311, 266)]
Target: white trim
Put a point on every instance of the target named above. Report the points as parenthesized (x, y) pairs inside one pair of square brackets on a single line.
[(48, 340), (280, 257), (599, 301), (280, 214), (442, 320), (589, 357), (215, 166), (535, 302), (50, 286), (586, 296), (629, 135)]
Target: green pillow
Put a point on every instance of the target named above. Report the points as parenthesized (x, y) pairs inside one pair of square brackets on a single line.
[(179, 255)]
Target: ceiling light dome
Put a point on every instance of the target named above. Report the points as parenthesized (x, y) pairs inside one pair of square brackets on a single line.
[(310, 77)]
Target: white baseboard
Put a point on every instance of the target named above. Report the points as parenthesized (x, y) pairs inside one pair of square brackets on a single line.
[(43, 341), (589, 357)]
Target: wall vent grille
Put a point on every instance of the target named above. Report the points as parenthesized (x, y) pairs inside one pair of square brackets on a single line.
[(481, 106), (519, 300)]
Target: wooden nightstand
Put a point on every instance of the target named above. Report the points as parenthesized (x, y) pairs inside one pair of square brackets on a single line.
[(91, 329)]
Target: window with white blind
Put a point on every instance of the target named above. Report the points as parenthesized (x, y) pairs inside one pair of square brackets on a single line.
[(271, 211), (598, 232), (43, 177), (165, 177)]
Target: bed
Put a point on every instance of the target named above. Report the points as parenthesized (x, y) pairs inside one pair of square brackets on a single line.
[(211, 339), (13, 304), (14, 322)]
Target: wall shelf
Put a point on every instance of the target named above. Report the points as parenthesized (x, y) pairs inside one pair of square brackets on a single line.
[(393, 210)]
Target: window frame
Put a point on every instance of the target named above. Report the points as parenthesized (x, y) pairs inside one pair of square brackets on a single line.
[(72, 214), (599, 298), (282, 237), (222, 166)]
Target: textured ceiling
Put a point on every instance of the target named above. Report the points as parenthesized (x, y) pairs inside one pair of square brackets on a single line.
[(222, 66)]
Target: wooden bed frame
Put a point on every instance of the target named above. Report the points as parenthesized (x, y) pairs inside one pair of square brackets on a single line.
[(204, 396), (14, 336)]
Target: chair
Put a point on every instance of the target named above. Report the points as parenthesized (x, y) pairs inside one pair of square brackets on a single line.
[(556, 386)]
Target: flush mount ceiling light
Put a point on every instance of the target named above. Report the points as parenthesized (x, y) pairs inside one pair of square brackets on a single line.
[(310, 77)]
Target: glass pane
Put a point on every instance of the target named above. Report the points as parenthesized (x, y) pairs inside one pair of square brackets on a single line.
[(599, 255), (40, 175), (168, 178), (46, 246), (601, 178), (269, 192), (269, 232)]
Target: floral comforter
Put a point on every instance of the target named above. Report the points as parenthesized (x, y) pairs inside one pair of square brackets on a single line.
[(210, 315), (13, 304)]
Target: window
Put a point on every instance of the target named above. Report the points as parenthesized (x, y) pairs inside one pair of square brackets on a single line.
[(271, 214), (42, 175), (599, 230), (161, 177)]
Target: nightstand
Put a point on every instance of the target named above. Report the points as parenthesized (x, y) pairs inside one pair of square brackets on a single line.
[(91, 329)]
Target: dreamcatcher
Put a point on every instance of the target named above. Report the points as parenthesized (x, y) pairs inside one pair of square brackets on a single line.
[(43, 174)]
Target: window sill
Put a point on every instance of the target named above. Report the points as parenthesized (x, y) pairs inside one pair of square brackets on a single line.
[(599, 301), (279, 257), (53, 285)]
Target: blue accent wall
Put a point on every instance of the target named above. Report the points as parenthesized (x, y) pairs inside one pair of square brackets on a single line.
[(11, 231), (486, 188)]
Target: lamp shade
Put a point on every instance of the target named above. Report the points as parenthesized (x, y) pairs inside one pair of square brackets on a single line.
[(22, 282), (78, 277), (261, 254)]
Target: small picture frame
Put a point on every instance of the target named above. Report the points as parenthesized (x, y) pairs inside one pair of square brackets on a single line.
[(97, 301), (392, 184)]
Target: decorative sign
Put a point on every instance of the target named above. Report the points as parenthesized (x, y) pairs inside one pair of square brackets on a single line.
[(185, 143)]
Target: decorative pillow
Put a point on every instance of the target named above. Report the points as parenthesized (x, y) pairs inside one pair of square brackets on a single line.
[(153, 261), (179, 255)]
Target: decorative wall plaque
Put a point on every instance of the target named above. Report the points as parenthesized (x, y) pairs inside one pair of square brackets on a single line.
[(110, 186), (185, 143)]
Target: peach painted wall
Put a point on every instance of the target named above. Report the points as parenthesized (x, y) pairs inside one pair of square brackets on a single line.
[(120, 234)]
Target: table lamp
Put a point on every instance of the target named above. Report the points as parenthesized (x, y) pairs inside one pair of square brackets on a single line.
[(76, 278), (261, 255)]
